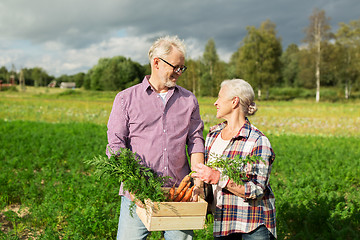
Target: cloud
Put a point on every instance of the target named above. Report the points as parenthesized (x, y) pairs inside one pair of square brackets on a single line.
[(68, 36)]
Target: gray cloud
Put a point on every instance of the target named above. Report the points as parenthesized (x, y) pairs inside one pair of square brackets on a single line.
[(71, 35)]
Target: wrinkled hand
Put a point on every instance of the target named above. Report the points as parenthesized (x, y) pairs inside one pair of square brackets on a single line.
[(206, 174), (198, 191)]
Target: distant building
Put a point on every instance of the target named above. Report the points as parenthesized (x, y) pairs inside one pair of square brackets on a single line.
[(52, 84), (71, 85)]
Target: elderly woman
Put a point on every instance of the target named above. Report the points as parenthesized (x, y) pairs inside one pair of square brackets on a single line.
[(247, 210)]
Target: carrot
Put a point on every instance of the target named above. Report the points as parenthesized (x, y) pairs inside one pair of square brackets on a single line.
[(183, 184), (188, 194), (182, 193), (172, 192)]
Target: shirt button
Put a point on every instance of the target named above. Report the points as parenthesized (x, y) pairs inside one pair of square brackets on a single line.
[(165, 168), (164, 130), (164, 149)]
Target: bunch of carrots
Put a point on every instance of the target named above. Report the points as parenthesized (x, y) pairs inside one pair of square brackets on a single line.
[(140, 180), (183, 192)]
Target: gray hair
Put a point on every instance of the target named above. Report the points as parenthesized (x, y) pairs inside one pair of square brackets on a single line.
[(243, 90), (163, 46)]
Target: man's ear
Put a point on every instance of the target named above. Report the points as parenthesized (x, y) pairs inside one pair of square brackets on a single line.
[(156, 63)]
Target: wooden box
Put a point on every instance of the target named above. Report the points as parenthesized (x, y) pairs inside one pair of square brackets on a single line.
[(161, 216)]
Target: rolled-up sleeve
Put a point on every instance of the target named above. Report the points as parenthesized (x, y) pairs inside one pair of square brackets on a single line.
[(117, 126), (259, 173)]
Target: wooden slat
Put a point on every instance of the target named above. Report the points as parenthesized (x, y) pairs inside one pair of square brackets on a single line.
[(166, 209), (176, 223), (173, 215)]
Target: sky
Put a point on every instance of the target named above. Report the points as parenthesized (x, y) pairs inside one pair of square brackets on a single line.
[(70, 36)]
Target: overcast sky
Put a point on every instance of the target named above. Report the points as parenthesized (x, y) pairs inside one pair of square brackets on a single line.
[(69, 36)]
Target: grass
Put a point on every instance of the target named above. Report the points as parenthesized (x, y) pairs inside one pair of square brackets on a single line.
[(287, 117)]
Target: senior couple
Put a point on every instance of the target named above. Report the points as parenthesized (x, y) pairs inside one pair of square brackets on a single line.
[(159, 120)]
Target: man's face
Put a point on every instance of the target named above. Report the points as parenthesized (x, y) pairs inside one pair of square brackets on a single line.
[(167, 74)]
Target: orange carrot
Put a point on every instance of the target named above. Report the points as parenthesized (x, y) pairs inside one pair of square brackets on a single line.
[(188, 194), (183, 184), (172, 192), (182, 193)]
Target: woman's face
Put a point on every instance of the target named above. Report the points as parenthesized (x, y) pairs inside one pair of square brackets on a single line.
[(223, 104)]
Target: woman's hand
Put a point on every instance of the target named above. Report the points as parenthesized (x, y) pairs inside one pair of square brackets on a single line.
[(206, 174)]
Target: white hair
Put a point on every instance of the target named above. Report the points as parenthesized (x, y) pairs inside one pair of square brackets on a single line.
[(164, 45), (243, 90)]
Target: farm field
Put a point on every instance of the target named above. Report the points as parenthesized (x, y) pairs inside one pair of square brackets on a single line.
[(293, 117), (48, 192)]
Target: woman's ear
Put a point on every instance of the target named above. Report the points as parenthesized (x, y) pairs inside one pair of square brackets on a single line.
[(235, 101)]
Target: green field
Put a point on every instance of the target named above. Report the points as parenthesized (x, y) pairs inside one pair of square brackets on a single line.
[(47, 192)]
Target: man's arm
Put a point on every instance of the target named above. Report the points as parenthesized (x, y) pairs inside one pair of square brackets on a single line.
[(117, 127), (196, 158)]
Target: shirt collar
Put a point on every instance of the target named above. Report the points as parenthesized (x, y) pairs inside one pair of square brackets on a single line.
[(243, 132), (146, 85)]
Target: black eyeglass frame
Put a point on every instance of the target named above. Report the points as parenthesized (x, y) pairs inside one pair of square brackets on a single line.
[(176, 69)]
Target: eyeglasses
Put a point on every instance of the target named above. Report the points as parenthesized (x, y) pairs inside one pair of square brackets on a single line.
[(176, 69)]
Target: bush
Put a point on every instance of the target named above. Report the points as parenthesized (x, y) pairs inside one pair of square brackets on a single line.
[(8, 88), (326, 94), (288, 93)]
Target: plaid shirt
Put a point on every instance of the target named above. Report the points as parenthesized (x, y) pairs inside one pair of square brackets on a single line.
[(236, 214)]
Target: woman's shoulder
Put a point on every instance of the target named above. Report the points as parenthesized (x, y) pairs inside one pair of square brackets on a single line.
[(217, 127), (255, 133)]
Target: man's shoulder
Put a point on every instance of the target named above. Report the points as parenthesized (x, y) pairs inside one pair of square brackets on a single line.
[(185, 93), (131, 90)]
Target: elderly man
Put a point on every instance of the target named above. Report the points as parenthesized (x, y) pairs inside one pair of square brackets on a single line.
[(157, 119)]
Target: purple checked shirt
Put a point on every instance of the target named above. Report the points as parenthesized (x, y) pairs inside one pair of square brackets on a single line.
[(157, 132)]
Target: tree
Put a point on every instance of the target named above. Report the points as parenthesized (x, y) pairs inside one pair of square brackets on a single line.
[(3, 74), (78, 79), (190, 79), (348, 44), (12, 74), (316, 33), (210, 60), (115, 73), (233, 67), (39, 77), (290, 66), (22, 80), (87, 80), (306, 69), (220, 74), (259, 57), (27, 75)]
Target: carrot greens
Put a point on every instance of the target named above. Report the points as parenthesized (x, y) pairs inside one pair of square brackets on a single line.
[(234, 168), (136, 178)]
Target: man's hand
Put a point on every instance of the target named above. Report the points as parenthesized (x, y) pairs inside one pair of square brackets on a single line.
[(137, 202), (206, 174), (198, 191)]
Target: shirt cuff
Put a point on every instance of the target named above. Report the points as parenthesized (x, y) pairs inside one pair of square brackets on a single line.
[(223, 181)]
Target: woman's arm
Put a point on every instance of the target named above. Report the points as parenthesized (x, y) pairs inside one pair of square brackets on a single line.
[(213, 176), (236, 189)]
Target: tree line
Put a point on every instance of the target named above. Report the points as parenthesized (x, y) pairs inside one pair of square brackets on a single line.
[(326, 59)]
